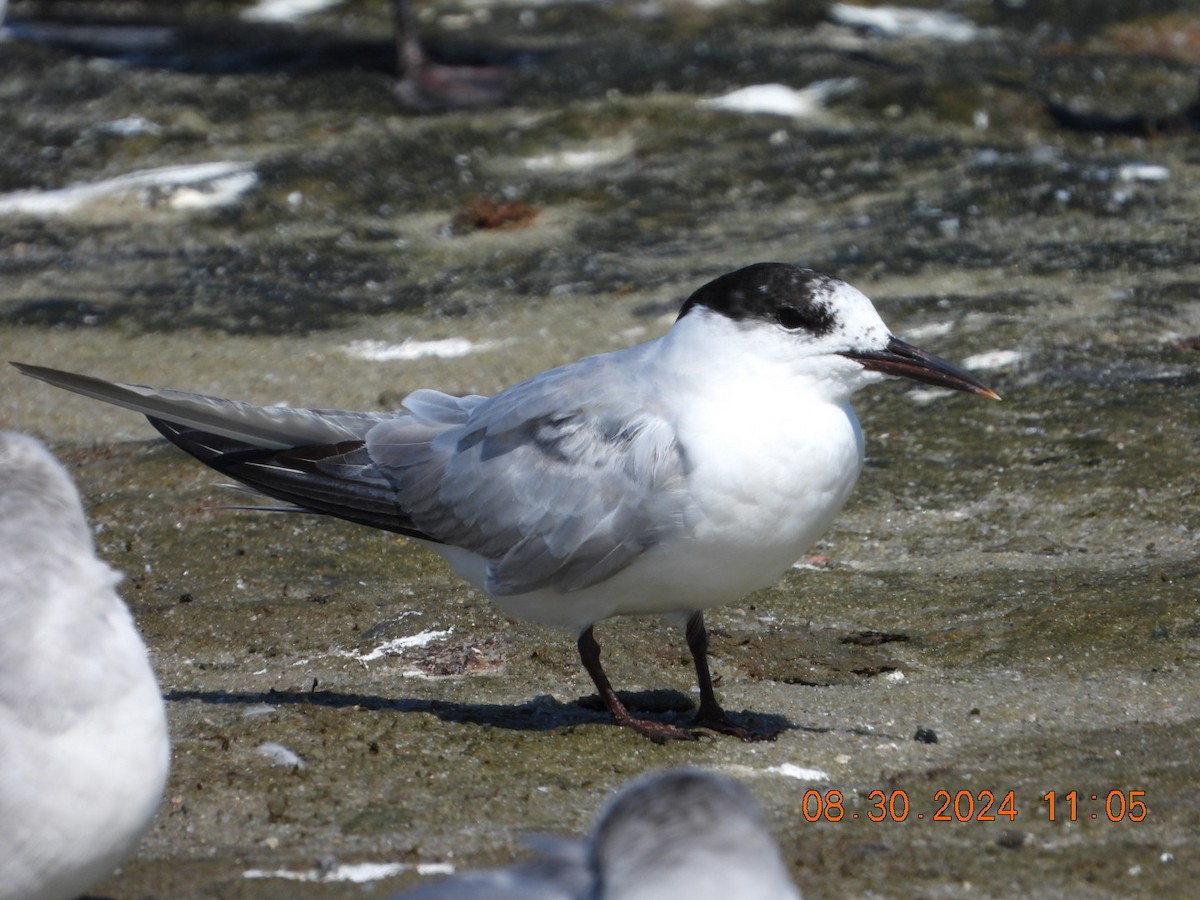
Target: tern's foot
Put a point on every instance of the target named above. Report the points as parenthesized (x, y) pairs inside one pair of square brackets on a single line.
[(659, 732), (719, 722)]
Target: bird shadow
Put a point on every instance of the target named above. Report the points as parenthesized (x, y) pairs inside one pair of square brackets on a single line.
[(540, 713)]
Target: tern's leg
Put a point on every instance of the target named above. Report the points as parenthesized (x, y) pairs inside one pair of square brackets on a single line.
[(659, 732), (710, 714)]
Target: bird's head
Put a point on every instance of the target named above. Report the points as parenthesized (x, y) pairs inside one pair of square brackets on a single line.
[(812, 325)]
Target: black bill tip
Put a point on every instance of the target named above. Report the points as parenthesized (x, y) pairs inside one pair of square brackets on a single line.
[(902, 359)]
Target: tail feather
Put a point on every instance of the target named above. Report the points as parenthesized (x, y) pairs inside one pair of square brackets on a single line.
[(276, 427), (314, 459)]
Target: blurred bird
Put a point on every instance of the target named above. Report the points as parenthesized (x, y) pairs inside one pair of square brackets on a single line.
[(423, 85), (83, 733), (684, 833), (665, 478)]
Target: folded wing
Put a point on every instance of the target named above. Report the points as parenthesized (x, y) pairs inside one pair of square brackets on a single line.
[(555, 482)]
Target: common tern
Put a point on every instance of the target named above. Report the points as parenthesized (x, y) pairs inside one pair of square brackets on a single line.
[(83, 733), (664, 478), (682, 833)]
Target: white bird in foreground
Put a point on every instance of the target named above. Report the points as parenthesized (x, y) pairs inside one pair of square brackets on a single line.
[(668, 477), (683, 833), (83, 733)]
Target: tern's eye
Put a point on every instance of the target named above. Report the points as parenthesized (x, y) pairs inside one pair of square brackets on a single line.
[(790, 318)]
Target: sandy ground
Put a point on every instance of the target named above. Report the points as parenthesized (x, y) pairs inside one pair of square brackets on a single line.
[(1017, 579)]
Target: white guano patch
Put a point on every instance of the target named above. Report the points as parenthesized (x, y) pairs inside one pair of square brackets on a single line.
[(800, 773), (280, 755), (580, 160), (1146, 172), (284, 10), (396, 646), (184, 187), (779, 99), (353, 873), (993, 359), (409, 349), (902, 22)]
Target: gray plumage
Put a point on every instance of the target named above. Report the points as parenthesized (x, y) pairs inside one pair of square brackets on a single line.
[(684, 833), (665, 478), (559, 484)]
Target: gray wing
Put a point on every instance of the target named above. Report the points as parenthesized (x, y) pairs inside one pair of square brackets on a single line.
[(559, 481)]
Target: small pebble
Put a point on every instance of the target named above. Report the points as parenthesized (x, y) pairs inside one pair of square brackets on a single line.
[(1011, 839)]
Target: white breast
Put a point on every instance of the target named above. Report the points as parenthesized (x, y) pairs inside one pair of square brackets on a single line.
[(772, 450), (764, 487)]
